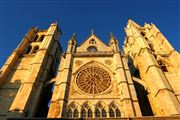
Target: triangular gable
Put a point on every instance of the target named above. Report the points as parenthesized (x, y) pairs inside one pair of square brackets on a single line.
[(93, 40)]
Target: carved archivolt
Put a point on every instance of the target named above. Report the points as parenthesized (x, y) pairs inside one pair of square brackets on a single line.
[(93, 80)]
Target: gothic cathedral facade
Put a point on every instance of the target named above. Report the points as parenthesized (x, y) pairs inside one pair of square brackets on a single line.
[(91, 80)]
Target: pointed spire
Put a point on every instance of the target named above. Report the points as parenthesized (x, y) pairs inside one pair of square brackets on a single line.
[(146, 25), (72, 39), (36, 27), (73, 36), (112, 36), (112, 39), (131, 22)]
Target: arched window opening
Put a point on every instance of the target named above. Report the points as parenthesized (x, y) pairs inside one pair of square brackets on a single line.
[(76, 113), (143, 34), (114, 111), (89, 113), (118, 114), (92, 41), (163, 66), (28, 49), (41, 38), (69, 113), (103, 113), (36, 48), (36, 37), (83, 113), (91, 49), (111, 113), (97, 113)]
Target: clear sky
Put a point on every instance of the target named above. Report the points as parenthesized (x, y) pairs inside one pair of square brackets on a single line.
[(80, 16)]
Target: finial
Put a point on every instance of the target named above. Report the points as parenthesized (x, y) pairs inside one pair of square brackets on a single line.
[(92, 32), (54, 23), (113, 38), (111, 34), (73, 36), (129, 20)]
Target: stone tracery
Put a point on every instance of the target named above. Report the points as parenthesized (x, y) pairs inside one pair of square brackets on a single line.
[(93, 80)]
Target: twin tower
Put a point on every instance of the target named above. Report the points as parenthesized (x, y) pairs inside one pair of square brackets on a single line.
[(91, 80)]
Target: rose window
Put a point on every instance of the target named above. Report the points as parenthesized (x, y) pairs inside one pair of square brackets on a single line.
[(93, 80)]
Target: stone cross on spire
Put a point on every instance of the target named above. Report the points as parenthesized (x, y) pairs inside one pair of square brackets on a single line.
[(92, 32)]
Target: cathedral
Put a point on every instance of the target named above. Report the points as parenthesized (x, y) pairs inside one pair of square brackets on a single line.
[(92, 80)]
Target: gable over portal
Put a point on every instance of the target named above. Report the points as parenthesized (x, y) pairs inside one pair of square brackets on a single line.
[(93, 42)]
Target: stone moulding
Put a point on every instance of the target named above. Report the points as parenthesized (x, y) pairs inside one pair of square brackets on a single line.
[(94, 54)]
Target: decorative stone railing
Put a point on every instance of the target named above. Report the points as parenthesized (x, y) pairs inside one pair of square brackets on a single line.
[(93, 54)]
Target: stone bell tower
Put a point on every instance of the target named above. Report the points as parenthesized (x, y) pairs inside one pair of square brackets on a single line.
[(26, 72), (93, 81), (157, 63)]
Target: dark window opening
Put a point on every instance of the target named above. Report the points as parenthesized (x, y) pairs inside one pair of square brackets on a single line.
[(76, 113), (89, 113), (69, 113), (143, 100), (111, 113), (97, 113), (163, 66), (83, 113), (44, 102), (143, 34), (92, 41), (118, 114), (28, 49), (103, 113), (41, 38), (36, 48), (36, 38)]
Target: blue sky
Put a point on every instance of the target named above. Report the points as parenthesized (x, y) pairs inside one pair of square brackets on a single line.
[(80, 16)]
